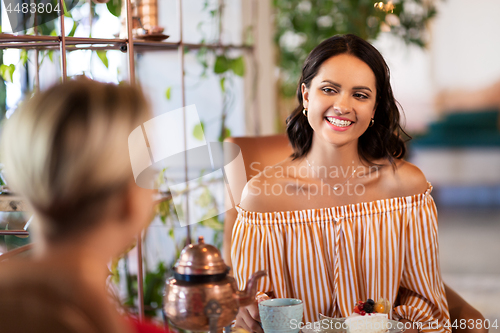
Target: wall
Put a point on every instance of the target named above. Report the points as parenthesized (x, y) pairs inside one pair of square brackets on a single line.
[(463, 53)]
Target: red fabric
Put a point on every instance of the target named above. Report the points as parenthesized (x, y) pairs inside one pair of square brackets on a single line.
[(146, 327)]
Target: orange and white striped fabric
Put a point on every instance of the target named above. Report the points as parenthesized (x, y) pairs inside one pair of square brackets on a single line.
[(332, 257)]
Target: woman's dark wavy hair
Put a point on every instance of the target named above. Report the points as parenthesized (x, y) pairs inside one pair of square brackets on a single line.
[(383, 139)]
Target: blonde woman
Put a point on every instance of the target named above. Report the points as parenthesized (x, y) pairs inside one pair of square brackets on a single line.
[(66, 152)]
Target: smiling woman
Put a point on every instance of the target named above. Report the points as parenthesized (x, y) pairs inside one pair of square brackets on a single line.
[(368, 231), (330, 104), (366, 88)]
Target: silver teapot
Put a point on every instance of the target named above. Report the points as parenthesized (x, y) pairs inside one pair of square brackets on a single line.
[(201, 296)]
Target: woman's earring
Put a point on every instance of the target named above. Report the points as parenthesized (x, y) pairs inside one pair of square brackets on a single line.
[(304, 112), (371, 123)]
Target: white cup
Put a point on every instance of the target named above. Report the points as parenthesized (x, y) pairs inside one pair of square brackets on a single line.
[(281, 315)]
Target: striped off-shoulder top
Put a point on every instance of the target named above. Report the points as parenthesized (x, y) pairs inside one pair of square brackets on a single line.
[(332, 257)]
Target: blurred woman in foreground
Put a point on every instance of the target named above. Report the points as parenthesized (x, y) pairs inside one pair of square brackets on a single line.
[(66, 152)]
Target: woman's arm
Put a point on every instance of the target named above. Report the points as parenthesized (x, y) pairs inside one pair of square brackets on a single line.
[(411, 180), (461, 310), (229, 219), (422, 293), (247, 258)]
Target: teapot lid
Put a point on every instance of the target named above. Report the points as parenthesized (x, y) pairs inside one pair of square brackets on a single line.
[(200, 259)]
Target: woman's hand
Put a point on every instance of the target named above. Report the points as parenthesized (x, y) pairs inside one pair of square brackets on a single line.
[(248, 318), (409, 330)]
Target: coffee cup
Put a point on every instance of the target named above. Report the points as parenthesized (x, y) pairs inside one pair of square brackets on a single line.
[(281, 315)]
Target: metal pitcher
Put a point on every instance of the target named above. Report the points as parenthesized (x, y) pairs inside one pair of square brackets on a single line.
[(201, 296)]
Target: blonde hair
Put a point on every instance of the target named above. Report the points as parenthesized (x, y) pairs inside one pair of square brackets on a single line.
[(66, 150)]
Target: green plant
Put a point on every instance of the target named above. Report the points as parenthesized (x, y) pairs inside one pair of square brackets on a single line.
[(303, 24), (218, 61), (3, 89), (154, 284), (49, 29)]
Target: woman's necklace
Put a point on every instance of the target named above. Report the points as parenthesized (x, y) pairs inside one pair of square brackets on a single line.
[(336, 187)]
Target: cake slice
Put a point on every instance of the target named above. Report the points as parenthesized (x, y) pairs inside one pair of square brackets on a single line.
[(369, 317), (369, 323)]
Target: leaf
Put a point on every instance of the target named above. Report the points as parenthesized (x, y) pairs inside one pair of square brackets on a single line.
[(72, 32), (46, 28), (202, 52), (23, 56), (51, 55), (199, 27), (168, 93), (249, 40), (221, 64), (198, 131), (205, 199), (7, 72), (103, 56), (222, 87), (66, 12), (213, 223), (114, 270), (163, 211), (53, 33), (114, 7), (171, 233), (238, 66), (227, 134)]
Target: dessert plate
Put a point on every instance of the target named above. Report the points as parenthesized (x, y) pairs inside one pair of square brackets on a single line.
[(335, 325)]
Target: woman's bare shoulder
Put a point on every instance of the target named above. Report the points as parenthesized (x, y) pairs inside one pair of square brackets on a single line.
[(264, 191), (406, 179)]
